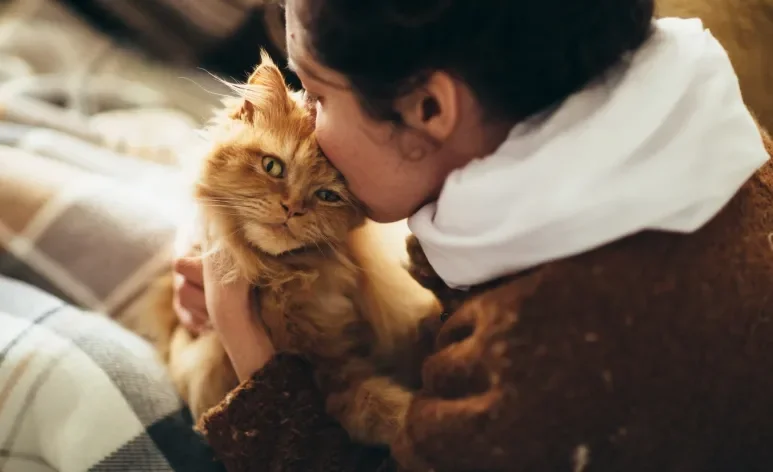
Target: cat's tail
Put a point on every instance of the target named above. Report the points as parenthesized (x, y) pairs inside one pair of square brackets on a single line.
[(152, 315)]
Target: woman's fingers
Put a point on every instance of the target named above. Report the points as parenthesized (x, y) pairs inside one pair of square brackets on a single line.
[(189, 299), (190, 305), (191, 268)]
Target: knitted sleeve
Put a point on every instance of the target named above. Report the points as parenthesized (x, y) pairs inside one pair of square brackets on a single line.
[(276, 421)]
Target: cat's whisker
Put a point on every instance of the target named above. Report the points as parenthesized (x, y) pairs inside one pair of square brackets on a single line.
[(227, 199), (199, 85), (245, 91), (319, 248), (338, 253), (222, 212), (239, 203), (222, 207), (218, 205)]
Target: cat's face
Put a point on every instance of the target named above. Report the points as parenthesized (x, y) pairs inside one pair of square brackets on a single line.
[(266, 175)]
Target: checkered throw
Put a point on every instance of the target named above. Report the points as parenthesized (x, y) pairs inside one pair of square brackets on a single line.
[(88, 218), (77, 393), (92, 240)]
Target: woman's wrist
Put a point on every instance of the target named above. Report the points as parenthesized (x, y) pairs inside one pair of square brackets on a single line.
[(247, 345), (232, 313)]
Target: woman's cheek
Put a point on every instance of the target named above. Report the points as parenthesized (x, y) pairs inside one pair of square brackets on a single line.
[(325, 139), (320, 129)]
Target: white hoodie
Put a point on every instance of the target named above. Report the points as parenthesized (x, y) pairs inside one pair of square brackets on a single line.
[(662, 144)]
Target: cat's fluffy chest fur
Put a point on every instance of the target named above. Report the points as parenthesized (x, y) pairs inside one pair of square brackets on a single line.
[(315, 309)]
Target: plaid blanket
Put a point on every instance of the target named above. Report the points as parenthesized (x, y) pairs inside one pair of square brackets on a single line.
[(87, 210), (88, 214), (90, 239), (77, 393)]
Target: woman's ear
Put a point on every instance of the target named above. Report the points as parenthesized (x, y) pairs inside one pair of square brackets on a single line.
[(433, 108)]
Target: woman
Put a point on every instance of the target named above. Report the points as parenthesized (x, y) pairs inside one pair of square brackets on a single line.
[(592, 204)]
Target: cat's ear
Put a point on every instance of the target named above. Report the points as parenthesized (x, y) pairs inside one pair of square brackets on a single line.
[(302, 100), (265, 91), (268, 75)]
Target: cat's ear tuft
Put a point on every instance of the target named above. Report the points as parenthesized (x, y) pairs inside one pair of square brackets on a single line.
[(267, 74), (265, 91)]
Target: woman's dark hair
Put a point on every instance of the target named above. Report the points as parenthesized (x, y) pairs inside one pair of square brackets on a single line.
[(519, 57)]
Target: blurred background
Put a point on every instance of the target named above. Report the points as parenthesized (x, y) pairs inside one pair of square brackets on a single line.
[(101, 101), (126, 76)]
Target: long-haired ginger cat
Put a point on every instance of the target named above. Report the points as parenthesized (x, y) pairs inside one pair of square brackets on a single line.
[(278, 214)]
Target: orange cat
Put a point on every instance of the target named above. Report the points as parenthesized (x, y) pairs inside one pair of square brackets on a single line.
[(278, 214)]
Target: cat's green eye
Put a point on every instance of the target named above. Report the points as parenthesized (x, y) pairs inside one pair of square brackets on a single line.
[(273, 166), (328, 196)]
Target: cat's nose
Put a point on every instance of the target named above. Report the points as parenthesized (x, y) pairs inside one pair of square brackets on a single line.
[(292, 209)]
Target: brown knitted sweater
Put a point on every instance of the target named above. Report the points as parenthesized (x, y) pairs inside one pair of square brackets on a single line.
[(654, 353)]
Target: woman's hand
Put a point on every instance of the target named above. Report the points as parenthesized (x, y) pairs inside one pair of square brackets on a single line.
[(230, 308), (189, 301)]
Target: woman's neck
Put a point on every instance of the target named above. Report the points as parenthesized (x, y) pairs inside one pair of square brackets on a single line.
[(475, 136)]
